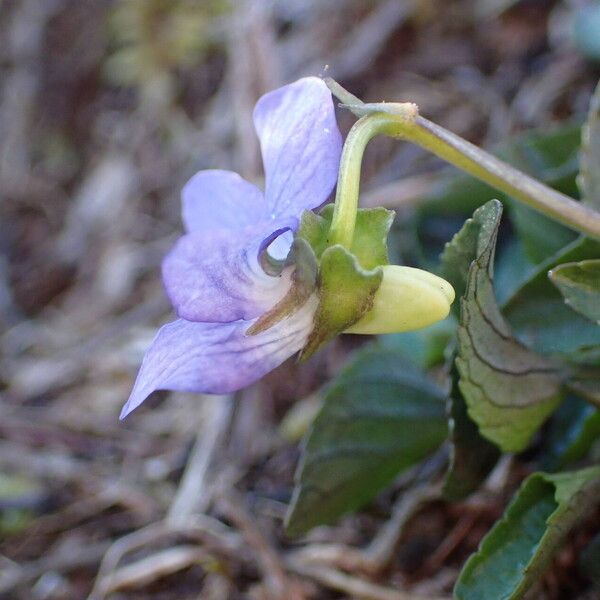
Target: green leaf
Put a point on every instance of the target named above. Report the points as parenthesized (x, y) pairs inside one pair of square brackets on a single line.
[(509, 390), (522, 543), (589, 561), (540, 318), (540, 235), (585, 381), (551, 155), (574, 429), (589, 175), (346, 292), (467, 245), (380, 416), (472, 457), (512, 269), (579, 283)]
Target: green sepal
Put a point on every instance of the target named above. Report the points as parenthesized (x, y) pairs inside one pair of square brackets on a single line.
[(369, 244), (348, 279), (346, 292)]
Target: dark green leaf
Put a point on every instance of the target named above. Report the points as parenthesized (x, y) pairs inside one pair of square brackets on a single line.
[(586, 382), (540, 235), (520, 546), (380, 416), (579, 283), (589, 561), (509, 390), (511, 270), (540, 318), (574, 429), (550, 155), (472, 456), (467, 245), (589, 176)]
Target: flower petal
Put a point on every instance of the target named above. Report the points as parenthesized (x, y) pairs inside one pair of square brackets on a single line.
[(216, 199), (301, 146), (216, 358), (216, 276)]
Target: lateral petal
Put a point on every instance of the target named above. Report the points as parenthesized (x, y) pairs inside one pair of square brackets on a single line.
[(217, 276)]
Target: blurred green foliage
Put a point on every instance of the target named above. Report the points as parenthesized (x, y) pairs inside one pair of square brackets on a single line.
[(153, 39)]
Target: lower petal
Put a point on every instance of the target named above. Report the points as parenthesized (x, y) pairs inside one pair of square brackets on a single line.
[(216, 358)]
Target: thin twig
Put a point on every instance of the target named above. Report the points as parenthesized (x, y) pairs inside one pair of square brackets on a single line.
[(353, 586), (377, 555), (152, 568), (273, 569), (201, 527), (194, 493)]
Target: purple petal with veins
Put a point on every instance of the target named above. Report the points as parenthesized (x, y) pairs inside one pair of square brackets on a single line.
[(216, 358), (216, 276), (301, 146), (221, 200)]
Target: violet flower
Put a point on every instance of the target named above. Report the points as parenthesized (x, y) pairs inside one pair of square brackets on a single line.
[(214, 276)]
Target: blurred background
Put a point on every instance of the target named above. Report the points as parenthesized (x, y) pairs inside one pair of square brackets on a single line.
[(106, 109)]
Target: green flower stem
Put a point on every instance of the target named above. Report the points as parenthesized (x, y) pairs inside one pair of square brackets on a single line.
[(457, 151), (348, 186)]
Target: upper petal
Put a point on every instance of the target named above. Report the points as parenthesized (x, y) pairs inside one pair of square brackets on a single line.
[(301, 146), (216, 199), (216, 358), (216, 275)]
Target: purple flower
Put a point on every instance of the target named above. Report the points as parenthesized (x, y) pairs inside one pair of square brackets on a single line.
[(214, 276)]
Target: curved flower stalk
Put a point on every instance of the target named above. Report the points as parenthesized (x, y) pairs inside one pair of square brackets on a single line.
[(245, 301)]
